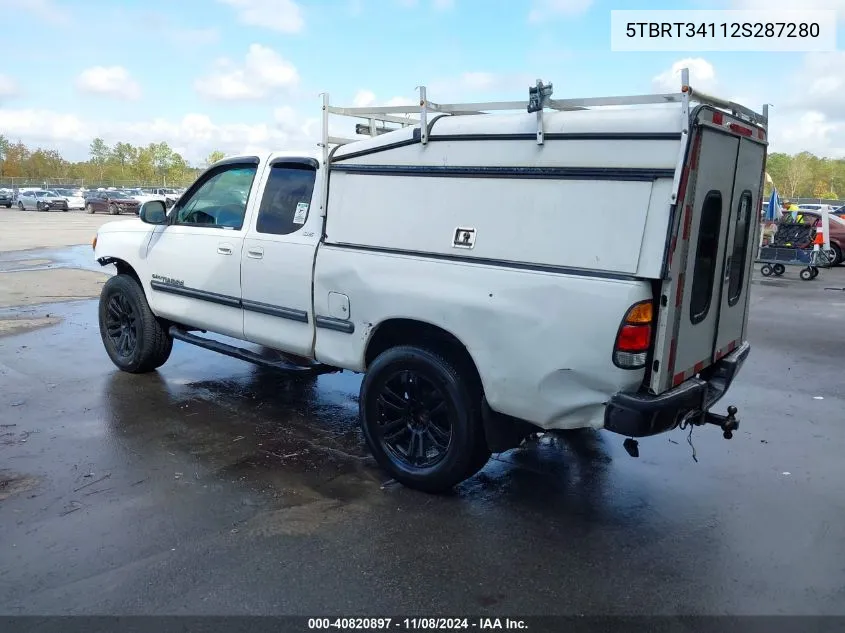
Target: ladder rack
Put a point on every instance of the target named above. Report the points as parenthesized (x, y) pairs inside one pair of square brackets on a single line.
[(417, 115)]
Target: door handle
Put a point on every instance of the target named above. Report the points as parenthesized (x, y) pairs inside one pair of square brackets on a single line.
[(224, 249), (255, 253)]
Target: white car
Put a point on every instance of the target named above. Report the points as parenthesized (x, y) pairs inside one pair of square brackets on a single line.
[(75, 198), (432, 260), (142, 197), (41, 200)]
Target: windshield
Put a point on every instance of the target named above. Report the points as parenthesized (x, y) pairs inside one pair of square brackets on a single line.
[(118, 194), (41, 194)]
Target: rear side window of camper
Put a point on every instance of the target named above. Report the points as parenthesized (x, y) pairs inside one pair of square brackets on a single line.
[(705, 256)]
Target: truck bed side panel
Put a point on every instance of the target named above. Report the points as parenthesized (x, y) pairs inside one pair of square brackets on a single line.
[(586, 224), (542, 341)]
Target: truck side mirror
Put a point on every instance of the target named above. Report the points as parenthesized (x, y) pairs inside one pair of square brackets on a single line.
[(153, 212)]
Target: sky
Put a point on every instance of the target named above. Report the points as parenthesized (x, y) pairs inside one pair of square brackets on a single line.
[(245, 75)]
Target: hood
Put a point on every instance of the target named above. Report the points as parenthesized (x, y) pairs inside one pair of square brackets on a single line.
[(132, 225)]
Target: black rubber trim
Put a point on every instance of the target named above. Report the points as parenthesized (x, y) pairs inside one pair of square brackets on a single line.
[(338, 325), (536, 173), (564, 136), (415, 138), (291, 314), (501, 263), (182, 291), (313, 163), (242, 160)]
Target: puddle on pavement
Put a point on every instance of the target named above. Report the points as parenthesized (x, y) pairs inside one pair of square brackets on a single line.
[(14, 484), (17, 325), (80, 256)]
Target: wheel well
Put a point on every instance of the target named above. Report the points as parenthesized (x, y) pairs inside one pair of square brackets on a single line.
[(122, 268), (395, 332)]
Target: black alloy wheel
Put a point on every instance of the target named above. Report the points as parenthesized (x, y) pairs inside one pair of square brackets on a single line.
[(122, 325), (420, 414), (415, 423)]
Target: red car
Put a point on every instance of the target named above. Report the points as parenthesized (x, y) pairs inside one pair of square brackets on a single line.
[(113, 202)]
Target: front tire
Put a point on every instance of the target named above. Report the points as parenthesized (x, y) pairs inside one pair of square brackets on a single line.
[(135, 340), (421, 418), (113, 209)]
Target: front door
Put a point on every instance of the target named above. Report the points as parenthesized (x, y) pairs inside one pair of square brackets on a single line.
[(278, 259), (195, 260)]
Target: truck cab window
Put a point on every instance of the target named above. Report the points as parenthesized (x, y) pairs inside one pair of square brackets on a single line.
[(287, 198), (221, 200)]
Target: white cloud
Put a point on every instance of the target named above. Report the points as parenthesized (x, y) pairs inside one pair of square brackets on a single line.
[(113, 81), (194, 135), (702, 76), (263, 73), (284, 16), (548, 9), (364, 98), (8, 87)]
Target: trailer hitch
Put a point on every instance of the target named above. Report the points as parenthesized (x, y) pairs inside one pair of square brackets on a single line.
[(728, 423)]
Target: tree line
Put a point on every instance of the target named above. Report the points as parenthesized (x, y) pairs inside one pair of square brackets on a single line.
[(153, 164), (801, 175), (806, 175)]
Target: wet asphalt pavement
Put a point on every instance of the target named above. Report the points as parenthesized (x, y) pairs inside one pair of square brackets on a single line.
[(215, 487)]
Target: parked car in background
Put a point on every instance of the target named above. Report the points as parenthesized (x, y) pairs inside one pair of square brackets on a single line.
[(7, 196), (113, 202), (143, 196), (75, 198), (41, 200), (170, 194)]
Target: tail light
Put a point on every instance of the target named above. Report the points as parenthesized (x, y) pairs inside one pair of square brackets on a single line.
[(634, 338)]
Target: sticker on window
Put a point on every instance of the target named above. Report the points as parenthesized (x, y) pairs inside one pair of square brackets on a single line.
[(301, 213)]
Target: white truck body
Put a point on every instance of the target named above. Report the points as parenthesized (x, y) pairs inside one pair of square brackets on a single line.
[(523, 240)]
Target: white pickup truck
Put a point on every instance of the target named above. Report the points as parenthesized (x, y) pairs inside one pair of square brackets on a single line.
[(492, 275)]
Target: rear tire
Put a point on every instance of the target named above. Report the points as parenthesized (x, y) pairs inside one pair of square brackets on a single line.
[(779, 269), (135, 340), (89, 208), (766, 270), (806, 274), (421, 418)]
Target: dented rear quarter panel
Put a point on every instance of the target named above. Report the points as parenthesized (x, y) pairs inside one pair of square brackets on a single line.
[(542, 341)]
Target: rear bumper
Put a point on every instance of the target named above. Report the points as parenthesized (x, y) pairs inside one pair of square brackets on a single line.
[(643, 414)]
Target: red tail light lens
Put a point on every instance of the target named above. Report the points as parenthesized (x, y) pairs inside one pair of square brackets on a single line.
[(634, 338)]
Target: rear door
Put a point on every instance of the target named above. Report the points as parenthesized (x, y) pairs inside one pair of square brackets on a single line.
[(704, 299), (277, 267), (708, 230), (743, 227)]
